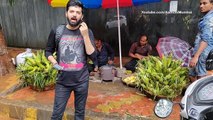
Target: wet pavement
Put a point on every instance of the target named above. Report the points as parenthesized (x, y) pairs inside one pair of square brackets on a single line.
[(106, 101)]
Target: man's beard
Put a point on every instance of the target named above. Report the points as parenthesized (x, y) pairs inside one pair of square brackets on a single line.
[(73, 24)]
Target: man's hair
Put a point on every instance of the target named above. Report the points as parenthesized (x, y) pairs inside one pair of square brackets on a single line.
[(142, 35), (74, 3), (98, 38), (139, 38), (211, 1)]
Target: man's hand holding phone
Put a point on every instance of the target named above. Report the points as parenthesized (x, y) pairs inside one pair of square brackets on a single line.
[(83, 29), (85, 33), (57, 67)]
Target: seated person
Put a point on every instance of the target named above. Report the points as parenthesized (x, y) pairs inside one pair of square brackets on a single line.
[(105, 54), (138, 51)]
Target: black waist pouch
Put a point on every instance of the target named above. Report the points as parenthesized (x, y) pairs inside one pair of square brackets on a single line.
[(209, 61)]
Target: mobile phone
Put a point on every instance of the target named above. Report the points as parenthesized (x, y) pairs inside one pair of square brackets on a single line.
[(80, 22)]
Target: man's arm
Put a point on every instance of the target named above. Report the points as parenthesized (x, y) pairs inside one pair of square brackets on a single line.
[(150, 50), (132, 51), (110, 51), (85, 33), (94, 59), (206, 35), (133, 55), (89, 44), (202, 46), (52, 60), (194, 60), (50, 47)]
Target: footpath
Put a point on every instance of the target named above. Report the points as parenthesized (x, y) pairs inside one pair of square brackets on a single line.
[(106, 101)]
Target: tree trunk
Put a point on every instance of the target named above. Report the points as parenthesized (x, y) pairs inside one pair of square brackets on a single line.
[(6, 65)]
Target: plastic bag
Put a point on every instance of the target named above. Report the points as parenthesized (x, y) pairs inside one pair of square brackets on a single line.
[(20, 58)]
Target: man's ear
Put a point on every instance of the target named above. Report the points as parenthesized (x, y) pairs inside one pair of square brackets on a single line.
[(66, 14)]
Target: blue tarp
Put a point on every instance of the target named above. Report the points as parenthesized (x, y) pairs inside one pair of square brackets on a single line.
[(91, 3), (98, 3), (140, 2)]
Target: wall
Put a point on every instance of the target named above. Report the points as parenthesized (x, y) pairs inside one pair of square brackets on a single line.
[(28, 22)]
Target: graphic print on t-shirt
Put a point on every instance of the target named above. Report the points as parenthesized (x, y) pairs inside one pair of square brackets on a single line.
[(71, 52)]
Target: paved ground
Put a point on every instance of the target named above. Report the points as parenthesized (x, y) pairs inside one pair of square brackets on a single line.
[(106, 101), (3, 117)]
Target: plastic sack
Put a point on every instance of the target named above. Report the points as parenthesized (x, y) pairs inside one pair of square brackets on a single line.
[(20, 58)]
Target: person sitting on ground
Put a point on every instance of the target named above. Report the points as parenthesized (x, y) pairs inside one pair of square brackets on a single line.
[(138, 51), (105, 54)]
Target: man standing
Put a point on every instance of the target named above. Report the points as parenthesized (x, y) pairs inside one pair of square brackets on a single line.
[(204, 41), (72, 45)]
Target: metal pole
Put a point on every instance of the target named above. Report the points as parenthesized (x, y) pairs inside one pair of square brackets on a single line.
[(119, 34)]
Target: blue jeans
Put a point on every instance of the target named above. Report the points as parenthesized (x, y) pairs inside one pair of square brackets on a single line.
[(62, 95), (200, 68)]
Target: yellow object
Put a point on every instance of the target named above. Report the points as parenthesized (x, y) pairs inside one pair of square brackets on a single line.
[(130, 80), (30, 114), (128, 72), (90, 62), (59, 3)]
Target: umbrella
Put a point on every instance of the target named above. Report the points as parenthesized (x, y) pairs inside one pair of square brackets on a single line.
[(106, 4), (178, 48), (57, 3), (103, 3)]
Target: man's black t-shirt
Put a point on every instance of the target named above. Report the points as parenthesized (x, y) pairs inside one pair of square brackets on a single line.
[(71, 55)]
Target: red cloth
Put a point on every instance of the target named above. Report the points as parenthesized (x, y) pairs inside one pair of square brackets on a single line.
[(113, 3), (166, 0), (49, 2)]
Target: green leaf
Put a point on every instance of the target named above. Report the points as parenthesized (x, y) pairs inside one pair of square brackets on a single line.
[(37, 76), (161, 77)]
